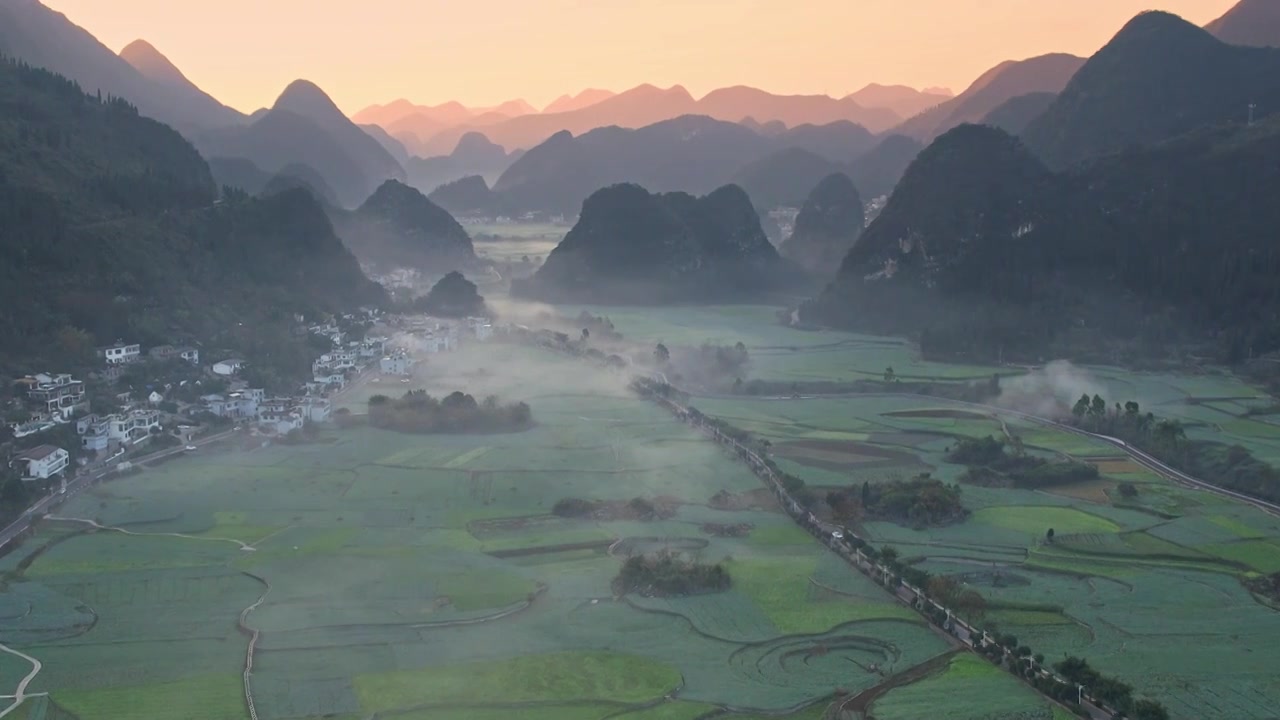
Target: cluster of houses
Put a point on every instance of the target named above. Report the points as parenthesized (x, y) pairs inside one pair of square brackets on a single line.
[(278, 416), (130, 427)]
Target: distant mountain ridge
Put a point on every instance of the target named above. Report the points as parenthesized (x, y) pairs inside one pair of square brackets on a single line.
[(397, 226), (1159, 77), (827, 226), (109, 228), (693, 154), (983, 252), (632, 246), (903, 100), (638, 107), (1250, 22), (474, 155), (1046, 73), (45, 38), (305, 127)]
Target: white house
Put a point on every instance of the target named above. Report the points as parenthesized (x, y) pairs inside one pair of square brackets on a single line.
[(331, 378), (227, 367), (121, 353), (61, 395), (439, 342), (97, 437), (281, 422), (155, 398), (397, 364), (190, 354), (133, 426), (236, 406), (315, 409), (42, 462), (95, 432)]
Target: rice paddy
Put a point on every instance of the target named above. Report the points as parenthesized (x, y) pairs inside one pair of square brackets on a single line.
[(424, 577)]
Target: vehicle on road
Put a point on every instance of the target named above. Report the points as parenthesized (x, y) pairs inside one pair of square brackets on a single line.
[(189, 448)]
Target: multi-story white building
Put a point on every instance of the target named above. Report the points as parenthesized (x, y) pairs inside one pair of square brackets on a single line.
[(121, 353), (398, 363), (59, 395), (133, 426), (315, 409), (42, 462)]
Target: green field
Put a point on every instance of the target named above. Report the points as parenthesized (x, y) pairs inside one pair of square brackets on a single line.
[(424, 577), (385, 597)]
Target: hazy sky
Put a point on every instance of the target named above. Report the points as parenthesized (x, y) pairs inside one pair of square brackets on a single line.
[(485, 51)]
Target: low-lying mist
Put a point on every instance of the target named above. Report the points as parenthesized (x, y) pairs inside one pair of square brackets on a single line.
[(1050, 391)]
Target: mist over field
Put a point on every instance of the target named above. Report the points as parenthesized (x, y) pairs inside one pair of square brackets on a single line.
[(1050, 391)]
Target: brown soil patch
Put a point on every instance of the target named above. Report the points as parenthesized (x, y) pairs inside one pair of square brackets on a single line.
[(938, 413), (758, 499), (723, 530), (1094, 491), (1122, 465)]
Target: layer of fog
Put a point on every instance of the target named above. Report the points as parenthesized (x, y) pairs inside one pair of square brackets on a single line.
[(1050, 391)]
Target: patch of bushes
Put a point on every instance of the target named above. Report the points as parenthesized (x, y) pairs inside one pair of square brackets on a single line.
[(991, 465), (668, 574), (418, 412)]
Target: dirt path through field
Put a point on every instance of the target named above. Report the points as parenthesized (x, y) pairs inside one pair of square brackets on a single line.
[(20, 694), (94, 523)]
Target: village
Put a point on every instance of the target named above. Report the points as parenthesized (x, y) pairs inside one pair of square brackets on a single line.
[(138, 402)]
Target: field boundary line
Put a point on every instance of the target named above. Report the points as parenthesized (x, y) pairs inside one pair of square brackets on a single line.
[(254, 634), (20, 693), (94, 523)]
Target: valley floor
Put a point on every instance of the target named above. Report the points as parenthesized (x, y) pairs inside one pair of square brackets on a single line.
[(424, 577)]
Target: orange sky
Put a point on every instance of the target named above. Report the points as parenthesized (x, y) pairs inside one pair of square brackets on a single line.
[(486, 51)]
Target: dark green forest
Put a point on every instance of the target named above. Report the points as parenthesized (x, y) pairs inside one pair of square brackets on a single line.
[(111, 227)]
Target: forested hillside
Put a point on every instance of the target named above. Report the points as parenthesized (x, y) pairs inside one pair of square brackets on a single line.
[(109, 228), (1148, 254)]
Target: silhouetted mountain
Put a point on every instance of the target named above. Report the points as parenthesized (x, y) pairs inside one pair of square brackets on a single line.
[(779, 179), (297, 175), (734, 103), (646, 105), (108, 225), (240, 173), (878, 170), (827, 226), (643, 105), (1250, 22), (399, 227), (1159, 77), (510, 108), (840, 141), (467, 196), (474, 155), (1015, 114), (692, 154), (1150, 252), (773, 127), (902, 100), (1046, 73), (586, 98), (305, 127), (394, 147), (631, 246), (45, 38)]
